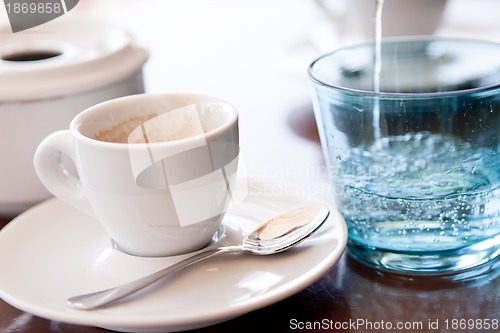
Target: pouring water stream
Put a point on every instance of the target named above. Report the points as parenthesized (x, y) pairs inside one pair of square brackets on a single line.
[(377, 67)]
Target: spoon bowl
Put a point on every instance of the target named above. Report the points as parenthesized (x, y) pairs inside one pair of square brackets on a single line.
[(273, 236), (286, 230)]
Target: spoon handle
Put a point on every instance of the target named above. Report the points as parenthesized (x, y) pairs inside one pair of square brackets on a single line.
[(97, 299)]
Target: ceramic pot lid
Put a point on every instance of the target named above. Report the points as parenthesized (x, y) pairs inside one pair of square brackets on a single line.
[(65, 56)]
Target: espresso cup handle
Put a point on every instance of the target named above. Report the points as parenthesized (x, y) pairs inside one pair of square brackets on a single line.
[(54, 173)]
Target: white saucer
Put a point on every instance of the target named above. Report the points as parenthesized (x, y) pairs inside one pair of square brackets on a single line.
[(52, 252)]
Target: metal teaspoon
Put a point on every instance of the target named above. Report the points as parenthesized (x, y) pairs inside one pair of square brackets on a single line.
[(275, 235)]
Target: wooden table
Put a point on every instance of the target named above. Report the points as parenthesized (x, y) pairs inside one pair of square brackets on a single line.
[(349, 298)]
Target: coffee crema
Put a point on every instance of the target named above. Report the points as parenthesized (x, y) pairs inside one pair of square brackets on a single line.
[(169, 126), (120, 133)]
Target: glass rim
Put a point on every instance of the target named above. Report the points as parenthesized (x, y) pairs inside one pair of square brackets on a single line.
[(403, 39)]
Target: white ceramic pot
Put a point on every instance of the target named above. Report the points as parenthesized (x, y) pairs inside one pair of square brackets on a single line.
[(399, 17), (78, 62)]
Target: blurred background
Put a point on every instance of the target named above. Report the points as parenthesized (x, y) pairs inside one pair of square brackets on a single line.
[(255, 54)]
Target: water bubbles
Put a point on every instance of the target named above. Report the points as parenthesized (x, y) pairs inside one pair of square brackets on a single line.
[(400, 198)]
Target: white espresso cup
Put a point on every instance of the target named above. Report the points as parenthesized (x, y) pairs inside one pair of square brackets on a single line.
[(157, 170)]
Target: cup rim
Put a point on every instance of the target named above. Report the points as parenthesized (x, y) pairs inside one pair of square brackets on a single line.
[(400, 39), (233, 117)]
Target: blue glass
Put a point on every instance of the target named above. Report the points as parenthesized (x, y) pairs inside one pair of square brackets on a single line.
[(416, 164)]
